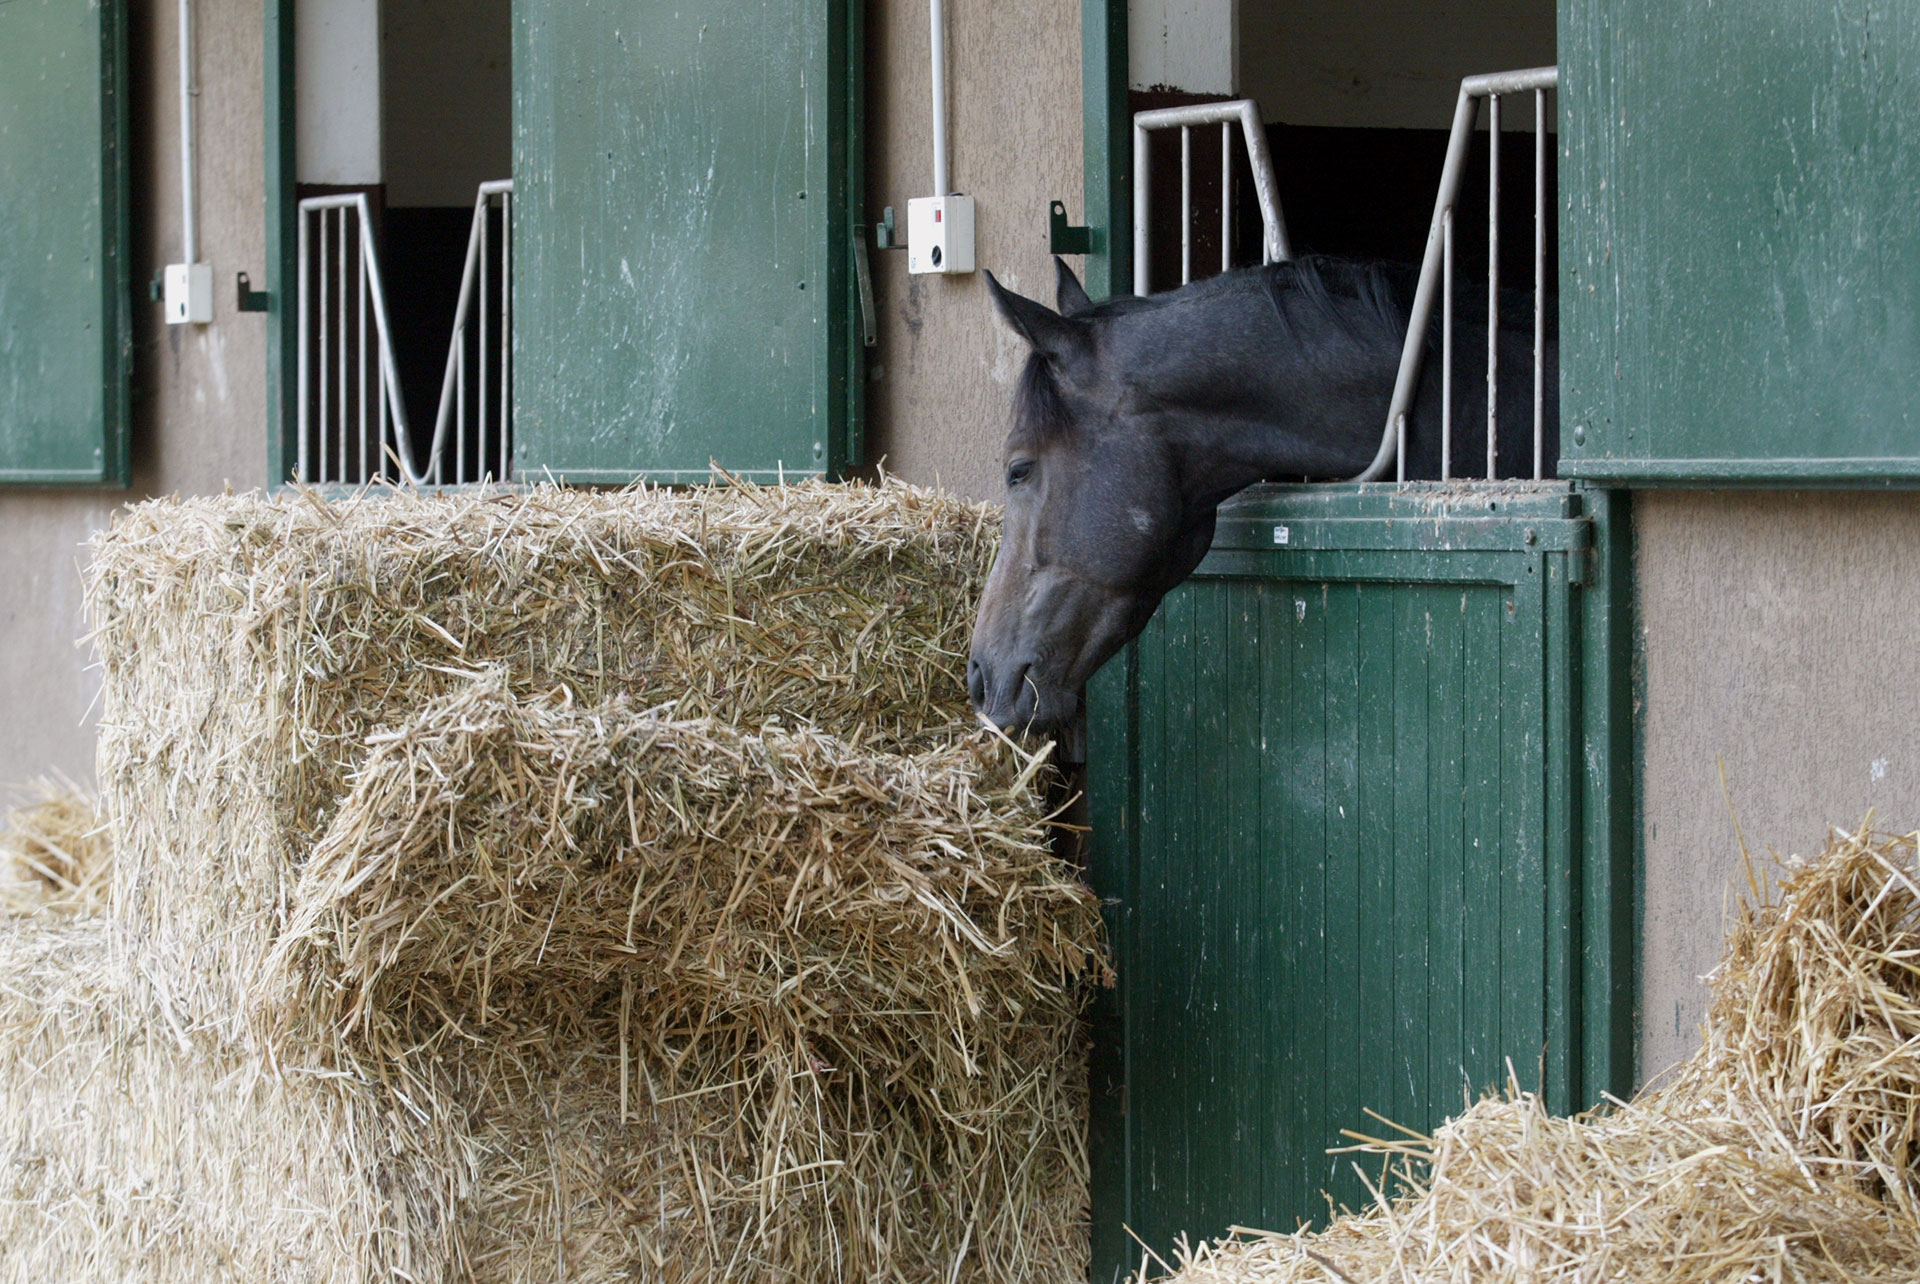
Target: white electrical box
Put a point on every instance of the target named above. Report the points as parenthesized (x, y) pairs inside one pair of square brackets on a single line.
[(940, 234), (189, 293)]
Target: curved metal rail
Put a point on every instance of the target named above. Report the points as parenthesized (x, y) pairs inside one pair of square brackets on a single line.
[(1242, 111), (348, 434), (1436, 276)]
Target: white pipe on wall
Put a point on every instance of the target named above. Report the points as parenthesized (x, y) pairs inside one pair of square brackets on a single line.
[(937, 18), (191, 228)]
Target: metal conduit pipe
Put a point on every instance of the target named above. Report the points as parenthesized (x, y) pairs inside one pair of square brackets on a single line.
[(189, 224), (937, 23), (1465, 110)]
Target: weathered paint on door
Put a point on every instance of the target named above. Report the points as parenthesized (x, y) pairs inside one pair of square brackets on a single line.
[(684, 186), (1740, 293), (1353, 831), (65, 323)]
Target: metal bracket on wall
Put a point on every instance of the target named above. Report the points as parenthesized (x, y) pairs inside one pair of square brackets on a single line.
[(885, 235), (1062, 236), (250, 299)]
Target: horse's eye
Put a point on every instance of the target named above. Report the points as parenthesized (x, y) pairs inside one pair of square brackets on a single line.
[(1018, 470)]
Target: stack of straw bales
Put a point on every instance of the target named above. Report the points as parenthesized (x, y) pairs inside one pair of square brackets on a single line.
[(556, 886), (1786, 1149)]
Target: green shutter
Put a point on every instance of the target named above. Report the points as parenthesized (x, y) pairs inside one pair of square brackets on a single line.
[(684, 213), (65, 347), (1741, 258), (1353, 795)]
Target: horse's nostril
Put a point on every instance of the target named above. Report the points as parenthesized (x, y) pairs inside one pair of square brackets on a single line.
[(976, 684)]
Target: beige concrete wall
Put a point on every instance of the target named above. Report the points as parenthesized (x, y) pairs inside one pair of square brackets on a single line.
[(943, 371), (1782, 636), (199, 391)]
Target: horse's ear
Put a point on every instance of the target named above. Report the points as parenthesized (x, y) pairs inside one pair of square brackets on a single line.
[(1068, 294), (1050, 335)]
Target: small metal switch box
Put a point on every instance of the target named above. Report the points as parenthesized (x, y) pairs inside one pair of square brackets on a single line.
[(188, 293), (940, 234)]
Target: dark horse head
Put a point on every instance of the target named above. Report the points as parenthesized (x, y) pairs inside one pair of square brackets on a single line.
[(1134, 418)]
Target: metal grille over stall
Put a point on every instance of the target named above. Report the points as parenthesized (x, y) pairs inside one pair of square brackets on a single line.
[(352, 419)]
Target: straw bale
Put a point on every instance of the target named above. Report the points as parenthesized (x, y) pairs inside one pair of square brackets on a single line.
[(251, 645), (53, 852), (851, 979), (1783, 1150), (131, 1149)]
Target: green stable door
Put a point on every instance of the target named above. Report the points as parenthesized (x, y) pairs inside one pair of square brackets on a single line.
[(1354, 823), (684, 242)]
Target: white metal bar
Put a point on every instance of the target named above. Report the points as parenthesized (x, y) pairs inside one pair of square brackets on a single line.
[(1493, 283), (460, 417), (1539, 281), (1446, 347), (1466, 109), (480, 403), (361, 473), (506, 331), (323, 372), (340, 303), (1186, 204), (304, 336), (1226, 196), (1142, 211), (379, 468)]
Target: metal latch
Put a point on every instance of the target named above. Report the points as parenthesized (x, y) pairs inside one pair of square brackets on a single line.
[(1062, 236), (250, 299), (863, 273)]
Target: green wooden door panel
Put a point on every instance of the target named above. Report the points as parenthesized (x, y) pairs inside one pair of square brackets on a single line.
[(1337, 805), (682, 238), (1741, 266), (65, 350)]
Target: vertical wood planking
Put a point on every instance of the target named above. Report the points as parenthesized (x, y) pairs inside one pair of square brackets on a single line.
[(1274, 1020), (1480, 825), (1523, 894), (1247, 937), (1446, 925), (1408, 1055), (1344, 964)]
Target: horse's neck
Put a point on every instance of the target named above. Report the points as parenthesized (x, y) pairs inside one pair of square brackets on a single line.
[(1293, 421)]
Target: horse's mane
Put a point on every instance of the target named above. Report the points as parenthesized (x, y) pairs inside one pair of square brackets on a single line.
[(1366, 302), (1384, 298), (1384, 292)]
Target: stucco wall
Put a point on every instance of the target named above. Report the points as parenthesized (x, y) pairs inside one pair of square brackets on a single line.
[(199, 391), (943, 370), (1782, 636)]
